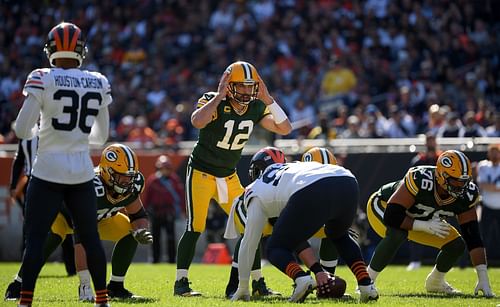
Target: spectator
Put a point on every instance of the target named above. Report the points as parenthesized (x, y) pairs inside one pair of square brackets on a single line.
[(164, 202), (488, 179), (452, 126), (338, 80), (142, 134), (470, 127)]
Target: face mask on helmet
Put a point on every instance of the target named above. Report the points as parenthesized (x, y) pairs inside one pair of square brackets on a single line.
[(243, 82), (453, 172), (65, 41), (262, 159), (319, 154), (118, 167)]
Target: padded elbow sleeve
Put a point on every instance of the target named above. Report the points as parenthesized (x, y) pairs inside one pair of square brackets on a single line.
[(471, 234), (394, 215)]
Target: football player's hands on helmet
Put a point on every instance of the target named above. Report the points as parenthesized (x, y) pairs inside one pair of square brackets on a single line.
[(435, 227), (263, 93), (241, 294), (142, 236), (483, 283), (222, 89)]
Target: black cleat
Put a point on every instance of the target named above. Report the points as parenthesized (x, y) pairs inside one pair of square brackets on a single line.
[(13, 291), (259, 288), (118, 291), (181, 288)]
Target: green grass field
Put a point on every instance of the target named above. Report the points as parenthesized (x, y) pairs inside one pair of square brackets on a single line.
[(155, 282)]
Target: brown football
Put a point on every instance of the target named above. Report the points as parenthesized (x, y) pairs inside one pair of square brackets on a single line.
[(335, 288)]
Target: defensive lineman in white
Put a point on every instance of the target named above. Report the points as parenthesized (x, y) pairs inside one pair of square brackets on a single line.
[(295, 194)]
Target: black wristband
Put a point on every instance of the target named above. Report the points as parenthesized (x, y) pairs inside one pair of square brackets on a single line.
[(316, 268)]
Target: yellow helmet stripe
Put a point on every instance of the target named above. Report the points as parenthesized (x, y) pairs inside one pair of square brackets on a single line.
[(325, 156), (130, 157)]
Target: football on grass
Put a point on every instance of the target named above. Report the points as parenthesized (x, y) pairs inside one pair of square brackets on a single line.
[(335, 288)]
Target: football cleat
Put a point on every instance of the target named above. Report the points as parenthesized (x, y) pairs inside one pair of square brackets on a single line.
[(259, 288), (118, 291), (303, 286), (13, 291), (414, 265), (85, 293), (435, 285), (181, 288), (367, 293)]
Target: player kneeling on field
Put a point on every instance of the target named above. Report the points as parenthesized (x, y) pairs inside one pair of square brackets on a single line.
[(121, 219)]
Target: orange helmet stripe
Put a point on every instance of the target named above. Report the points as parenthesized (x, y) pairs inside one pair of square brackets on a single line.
[(65, 38), (76, 34), (57, 39)]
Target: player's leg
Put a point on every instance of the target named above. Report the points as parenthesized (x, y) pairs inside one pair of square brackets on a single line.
[(344, 193), (200, 188), (117, 229), (328, 255), (81, 201), (68, 255), (44, 200), (85, 293), (156, 232)]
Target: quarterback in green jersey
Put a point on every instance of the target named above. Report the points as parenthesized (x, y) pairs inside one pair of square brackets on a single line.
[(226, 119), (121, 218), (416, 209)]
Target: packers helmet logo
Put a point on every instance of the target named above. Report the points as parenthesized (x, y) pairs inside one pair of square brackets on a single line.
[(307, 157), (447, 162), (111, 156)]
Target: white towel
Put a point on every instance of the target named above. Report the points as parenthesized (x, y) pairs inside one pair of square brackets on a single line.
[(222, 190), (231, 231)]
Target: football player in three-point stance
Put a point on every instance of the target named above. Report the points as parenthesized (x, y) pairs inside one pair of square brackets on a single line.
[(416, 207), (72, 106), (284, 191), (226, 119), (118, 184)]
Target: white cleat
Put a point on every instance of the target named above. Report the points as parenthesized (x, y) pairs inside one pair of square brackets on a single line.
[(303, 287), (368, 293), (85, 293), (435, 285)]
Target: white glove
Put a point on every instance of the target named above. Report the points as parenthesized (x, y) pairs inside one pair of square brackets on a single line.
[(241, 295), (483, 283), (435, 227), (142, 236)]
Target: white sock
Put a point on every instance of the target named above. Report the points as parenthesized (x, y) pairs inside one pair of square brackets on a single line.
[(84, 277), (117, 278), (180, 273), (436, 274), (372, 273), (256, 274), (18, 278)]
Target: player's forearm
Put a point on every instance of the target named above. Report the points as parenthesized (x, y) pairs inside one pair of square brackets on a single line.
[(25, 125), (478, 256), (100, 129), (202, 116), (140, 224)]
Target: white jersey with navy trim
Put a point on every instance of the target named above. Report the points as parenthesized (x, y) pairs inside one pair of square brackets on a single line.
[(68, 100), (280, 181)]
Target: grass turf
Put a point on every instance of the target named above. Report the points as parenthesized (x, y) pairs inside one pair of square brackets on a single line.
[(397, 287)]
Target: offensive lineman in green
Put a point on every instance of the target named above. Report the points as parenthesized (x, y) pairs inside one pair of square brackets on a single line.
[(121, 218), (226, 119), (415, 208)]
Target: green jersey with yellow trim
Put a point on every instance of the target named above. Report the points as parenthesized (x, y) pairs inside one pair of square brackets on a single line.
[(421, 183), (221, 142), (109, 202)]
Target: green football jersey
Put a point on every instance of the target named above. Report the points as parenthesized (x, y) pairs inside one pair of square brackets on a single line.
[(221, 142), (109, 204), (421, 183)]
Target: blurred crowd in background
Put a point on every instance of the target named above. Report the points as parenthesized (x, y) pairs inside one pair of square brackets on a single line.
[(340, 69)]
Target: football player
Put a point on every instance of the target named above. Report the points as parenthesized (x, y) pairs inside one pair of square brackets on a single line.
[(416, 208), (121, 219), (72, 106), (226, 119), (284, 191)]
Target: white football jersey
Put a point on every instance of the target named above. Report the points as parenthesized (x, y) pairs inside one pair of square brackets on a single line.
[(489, 173), (280, 181), (70, 100)]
